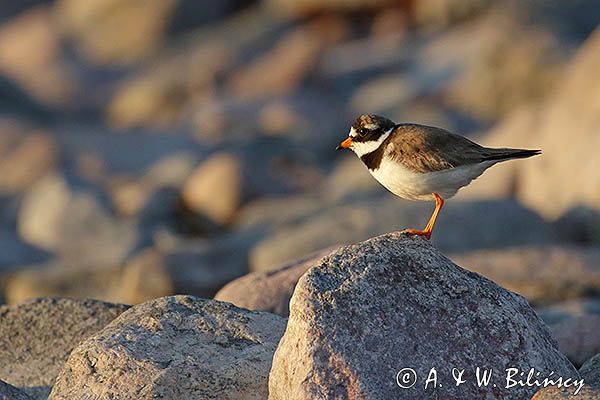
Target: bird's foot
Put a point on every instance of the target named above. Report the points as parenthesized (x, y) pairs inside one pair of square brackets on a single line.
[(415, 232)]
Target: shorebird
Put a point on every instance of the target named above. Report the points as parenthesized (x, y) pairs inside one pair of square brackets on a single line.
[(419, 162)]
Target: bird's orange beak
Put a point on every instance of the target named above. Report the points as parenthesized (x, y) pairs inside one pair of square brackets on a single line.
[(345, 144)]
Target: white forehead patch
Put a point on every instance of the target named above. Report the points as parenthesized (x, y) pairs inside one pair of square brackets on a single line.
[(352, 133)]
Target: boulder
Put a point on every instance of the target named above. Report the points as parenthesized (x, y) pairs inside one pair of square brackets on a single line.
[(110, 31), (578, 337), (509, 132), (369, 310), (461, 226), (350, 179), (62, 278), (25, 156), (303, 7), (487, 86), (566, 129), (175, 265), (31, 54), (438, 14), (155, 192), (8, 392), (196, 267), (170, 86), (555, 393), (214, 189), (276, 212), (36, 338), (558, 312), (177, 347), (538, 272), (103, 30), (590, 371), (580, 224), (59, 216), (14, 252), (269, 290), (282, 69)]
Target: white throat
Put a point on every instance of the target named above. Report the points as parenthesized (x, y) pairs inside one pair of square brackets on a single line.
[(362, 148)]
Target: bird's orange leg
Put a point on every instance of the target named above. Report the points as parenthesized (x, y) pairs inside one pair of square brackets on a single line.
[(439, 203)]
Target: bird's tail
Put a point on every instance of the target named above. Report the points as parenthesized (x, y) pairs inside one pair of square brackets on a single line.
[(509, 154)]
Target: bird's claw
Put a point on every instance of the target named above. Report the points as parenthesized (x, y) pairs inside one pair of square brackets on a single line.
[(415, 232)]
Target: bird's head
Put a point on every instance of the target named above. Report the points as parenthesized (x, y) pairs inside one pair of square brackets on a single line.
[(367, 133)]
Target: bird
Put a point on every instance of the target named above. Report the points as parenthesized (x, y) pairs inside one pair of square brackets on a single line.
[(420, 162)]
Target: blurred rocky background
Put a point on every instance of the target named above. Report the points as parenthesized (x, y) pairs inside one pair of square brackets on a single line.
[(160, 147)]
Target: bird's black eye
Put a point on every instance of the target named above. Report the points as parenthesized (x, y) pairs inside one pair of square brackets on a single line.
[(362, 132)]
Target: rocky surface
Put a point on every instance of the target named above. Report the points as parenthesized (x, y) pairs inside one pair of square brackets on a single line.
[(174, 265), (62, 278), (490, 224), (217, 121), (590, 371), (26, 156), (538, 178), (151, 148), (554, 393), (558, 312), (214, 189), (62, 216), (270, 290), (578, 337), (368, 310), (36, 338), (8, 392), (538, 272), (178, 348)]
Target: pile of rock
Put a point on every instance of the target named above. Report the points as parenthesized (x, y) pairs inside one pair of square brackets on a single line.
[(364, 321)]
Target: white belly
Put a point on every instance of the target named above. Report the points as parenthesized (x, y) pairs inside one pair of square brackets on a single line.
[(418, 186)]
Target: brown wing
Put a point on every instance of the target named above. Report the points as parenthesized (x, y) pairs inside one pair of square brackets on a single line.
[(427, 149)]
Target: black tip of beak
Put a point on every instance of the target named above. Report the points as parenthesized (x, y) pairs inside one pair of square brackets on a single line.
[(339, 147)]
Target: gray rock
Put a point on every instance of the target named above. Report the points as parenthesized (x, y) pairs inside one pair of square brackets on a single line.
[(558, 312), (47, 76), (214, 189), (60, 217), (14, 252), (437, 14), (196, 267), (578, 337), (550, 176), (273, 213), (166, 89), (9, 392), (304, 7), (538, 272), (142, 194), (580, 224), (63, 278), (270, 290), (477, 69), (590, 371), (283, 68), (113, 32), (175, 265), (177, 347), (348, 179), (461, 226), (368, 310), (36, 338), (25, 156), (102, 31)]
